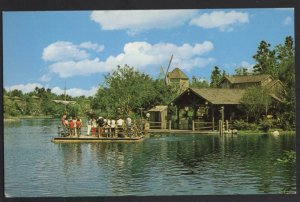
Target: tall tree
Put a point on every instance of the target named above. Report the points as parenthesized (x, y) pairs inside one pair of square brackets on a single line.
[(215, 76), (127, 90), (241, 71), (199, 83), (256, 102), (265, 60)]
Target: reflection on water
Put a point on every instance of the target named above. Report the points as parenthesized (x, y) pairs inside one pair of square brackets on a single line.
[(166, 165)]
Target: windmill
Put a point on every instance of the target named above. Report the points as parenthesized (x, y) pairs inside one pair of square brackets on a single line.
[(166, 79), (64, 102)]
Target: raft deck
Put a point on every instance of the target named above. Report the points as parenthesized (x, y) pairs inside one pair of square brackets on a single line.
[(83, 138)]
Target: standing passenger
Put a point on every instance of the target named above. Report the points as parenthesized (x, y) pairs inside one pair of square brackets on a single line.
[(100, 122), (113, 127), (128, 126), (78, 127), (94, 127), (71, 125), (89, 126), (120, 125)]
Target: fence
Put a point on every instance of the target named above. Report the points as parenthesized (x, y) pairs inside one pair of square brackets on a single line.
[(193, 125)]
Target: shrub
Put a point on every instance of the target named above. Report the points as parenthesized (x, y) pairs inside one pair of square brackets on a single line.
[(242, 125), (265, 125)]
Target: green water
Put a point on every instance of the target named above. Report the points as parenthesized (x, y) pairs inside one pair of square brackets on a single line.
[(183, 164)]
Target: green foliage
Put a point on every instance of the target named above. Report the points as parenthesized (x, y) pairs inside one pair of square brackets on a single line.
[(242, 125), (265, 125), (266, 60), (44, 105), (199, 83), (241, 71), (256, 102), (215, 76), (126, 90)]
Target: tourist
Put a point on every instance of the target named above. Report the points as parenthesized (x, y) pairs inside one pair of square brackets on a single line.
[(71, 126), (94, 127), (64, 124), (113, 127), (108, 129), (134, 128), (120, 123), (128, 126), (89, 126), (100, 122), (63, 120), (78, 127)]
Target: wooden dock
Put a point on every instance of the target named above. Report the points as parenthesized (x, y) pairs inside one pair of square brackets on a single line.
[(167, 131), (88, 139)]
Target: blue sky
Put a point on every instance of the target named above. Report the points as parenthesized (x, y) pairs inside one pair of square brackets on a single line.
[(49, 48)]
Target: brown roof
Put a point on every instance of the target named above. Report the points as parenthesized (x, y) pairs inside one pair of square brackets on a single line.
[(272, 83), (246, 79), (220, 95), (177, 74), (158, 108)]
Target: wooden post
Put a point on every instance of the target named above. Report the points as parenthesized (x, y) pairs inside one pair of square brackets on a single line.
[(193, 125), (177, 113), (227, 125), (213, 118), (170, 124)]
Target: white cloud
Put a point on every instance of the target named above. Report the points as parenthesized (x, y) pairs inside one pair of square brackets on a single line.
[(220, 19), (25, 88), (142, 55), (287, 21), (92, 46), (137, 20), (74, 92), (63, 50)]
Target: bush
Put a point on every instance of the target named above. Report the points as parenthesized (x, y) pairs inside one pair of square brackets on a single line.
[(242, 125), (265, 125)]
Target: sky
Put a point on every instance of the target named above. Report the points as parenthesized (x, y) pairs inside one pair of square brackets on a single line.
[(78, 48)]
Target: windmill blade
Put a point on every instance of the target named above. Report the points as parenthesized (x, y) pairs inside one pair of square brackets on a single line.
[(166, 75)]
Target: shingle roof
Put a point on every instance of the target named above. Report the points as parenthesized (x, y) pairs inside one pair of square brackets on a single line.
[(177, 74), (220, 95), (247, 79), (158, 108)]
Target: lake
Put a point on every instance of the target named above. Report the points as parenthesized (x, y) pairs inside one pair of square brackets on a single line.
[(183, 164)]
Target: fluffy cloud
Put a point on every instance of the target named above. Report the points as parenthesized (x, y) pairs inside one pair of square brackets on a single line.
[(138, 20), (92, 46), (65, 51), (142, 55), (74, 92), (25, 88), (29, 87), (220, 19)]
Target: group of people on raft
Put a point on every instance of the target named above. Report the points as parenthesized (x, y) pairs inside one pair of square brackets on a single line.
[(99, 127)]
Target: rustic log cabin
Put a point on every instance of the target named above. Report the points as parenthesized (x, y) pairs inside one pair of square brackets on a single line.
[(202, 108)]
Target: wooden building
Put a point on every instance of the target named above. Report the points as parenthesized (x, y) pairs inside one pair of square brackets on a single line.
[(177, 79), (158, 117), (210, 101)]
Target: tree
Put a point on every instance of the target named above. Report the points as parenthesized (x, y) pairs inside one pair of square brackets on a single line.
[(286, 63), (127, 90), (241, 71), (256, 102), (266, 60), (199, 83), (215, 76)]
